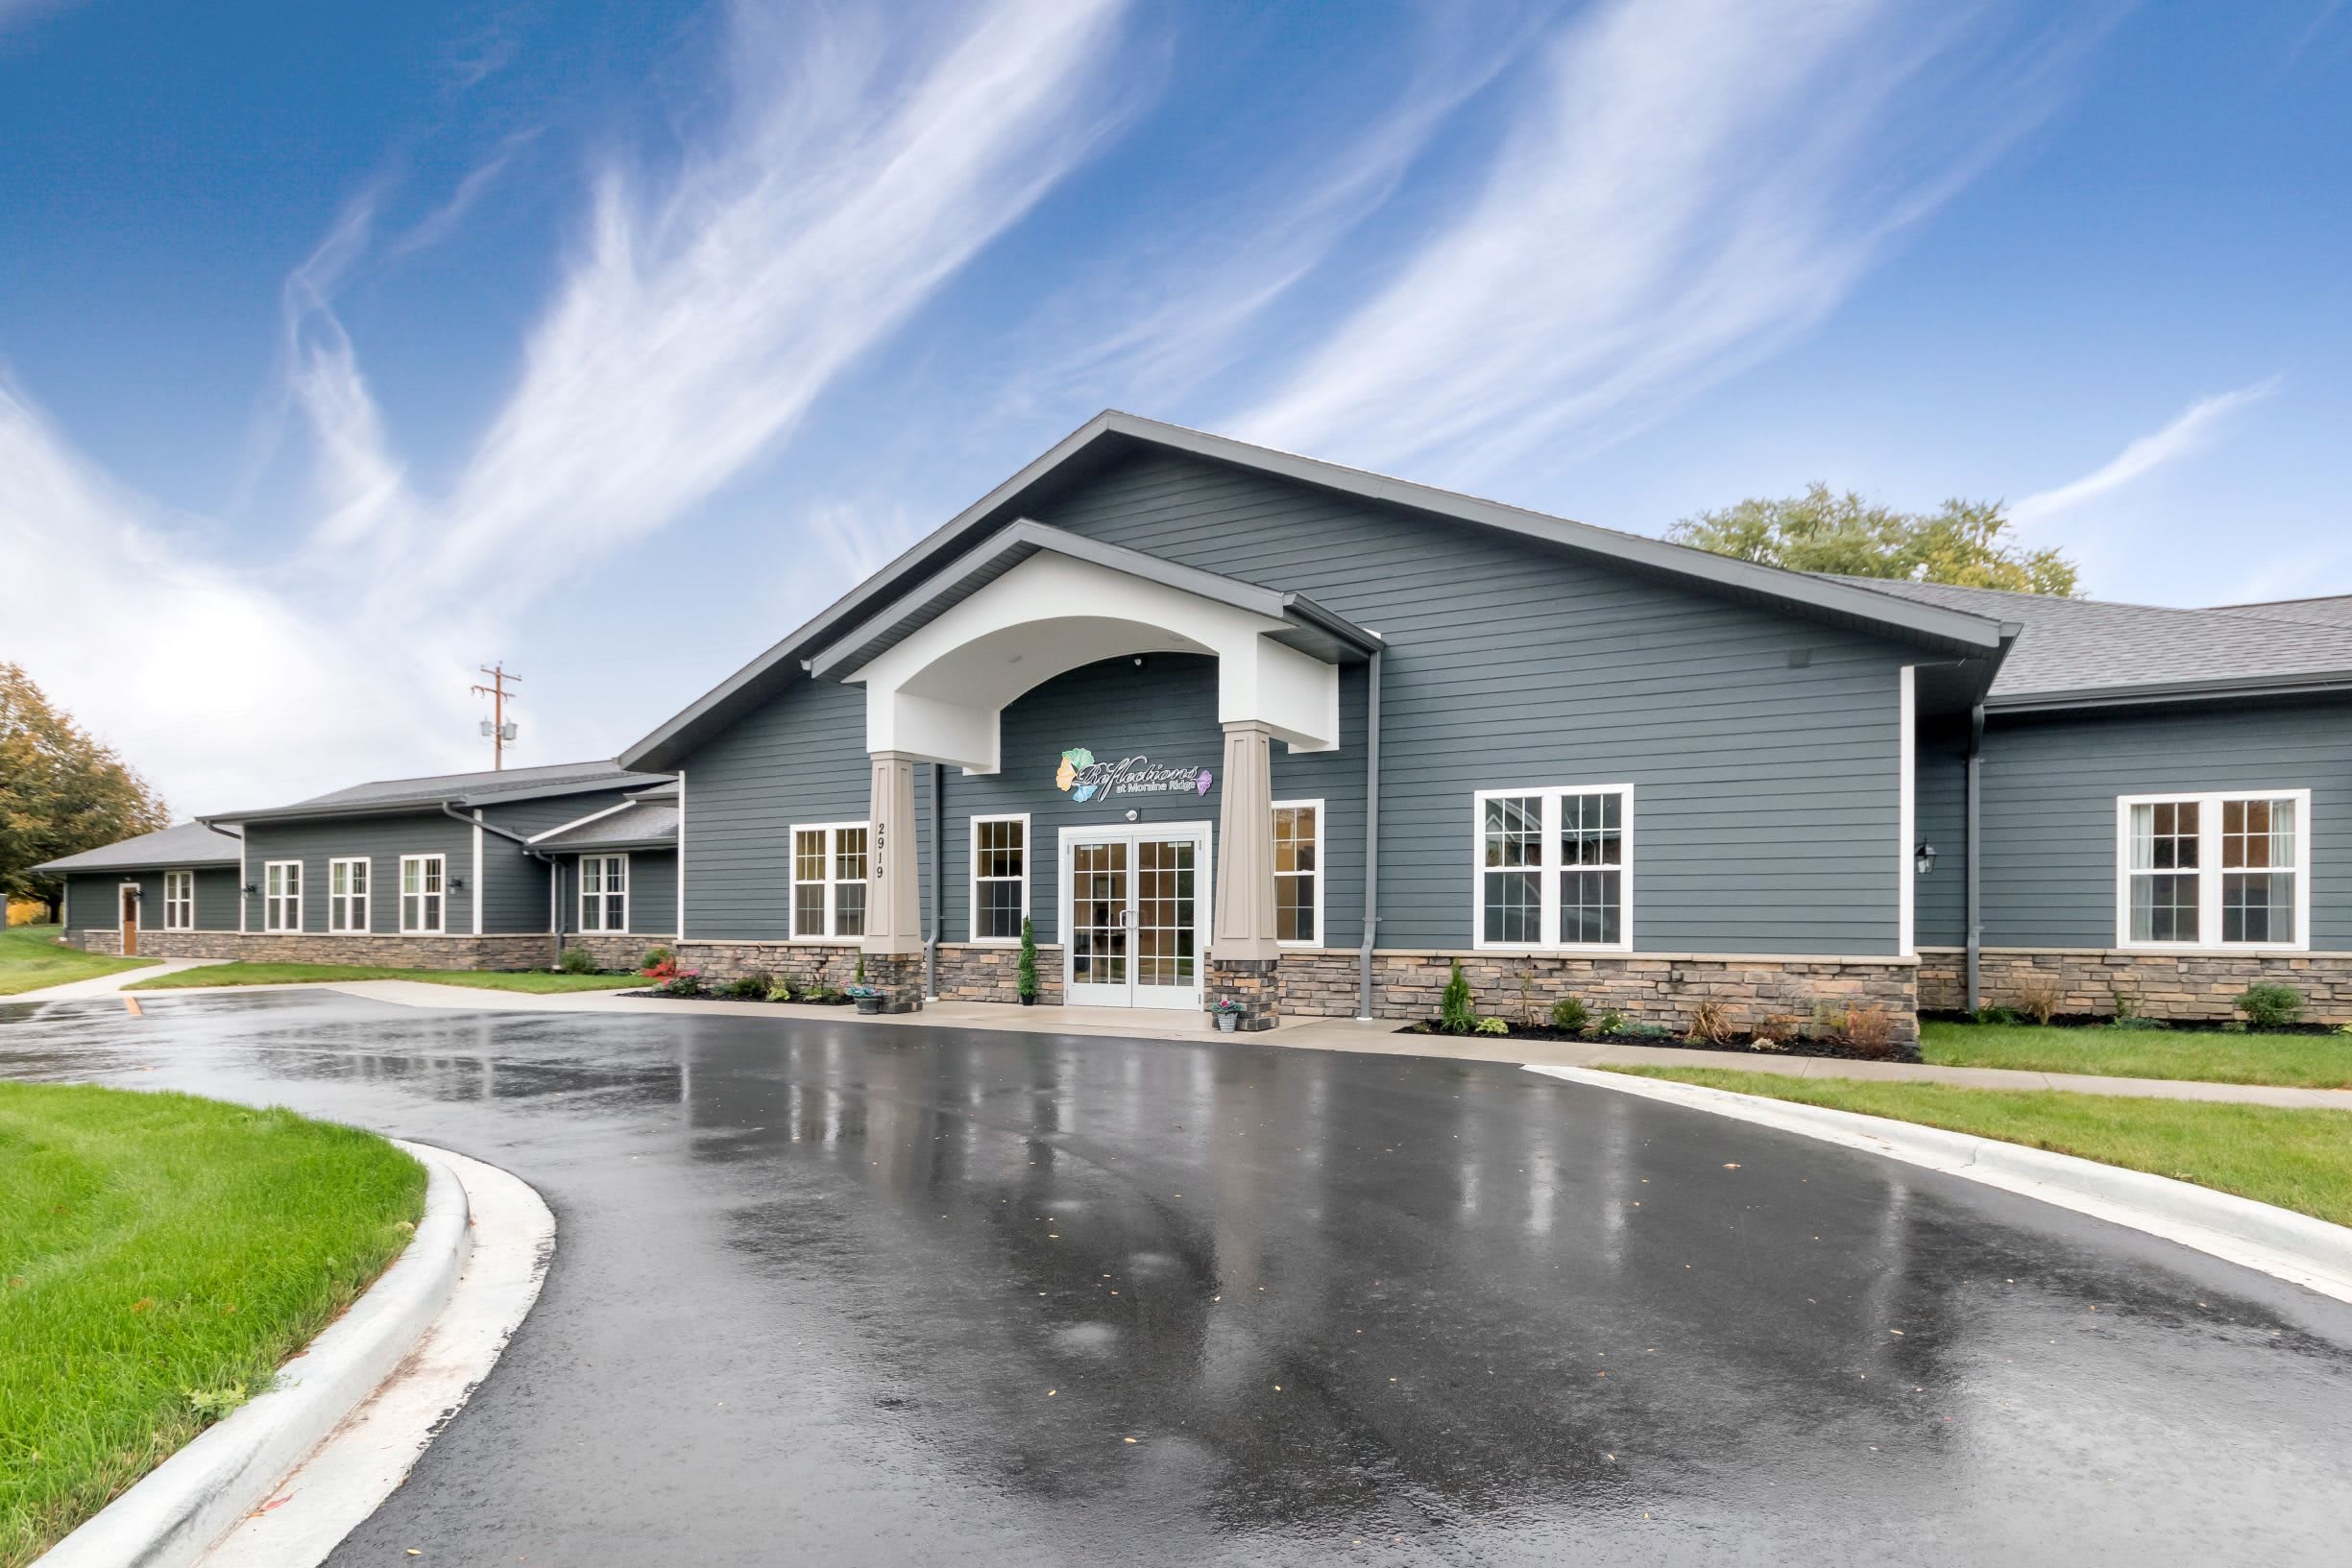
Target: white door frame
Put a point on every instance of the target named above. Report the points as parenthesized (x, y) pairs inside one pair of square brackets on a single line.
[(1168, 996)]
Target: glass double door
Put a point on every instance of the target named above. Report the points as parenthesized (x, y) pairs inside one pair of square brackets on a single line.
[(1135, 906)]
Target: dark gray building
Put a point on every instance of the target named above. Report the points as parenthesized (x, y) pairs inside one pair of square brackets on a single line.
[(1223, 722)]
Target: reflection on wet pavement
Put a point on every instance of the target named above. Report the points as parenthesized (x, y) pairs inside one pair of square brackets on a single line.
[(840, 1294)]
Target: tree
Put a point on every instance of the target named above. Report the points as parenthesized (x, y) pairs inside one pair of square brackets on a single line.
[(61, 791), (1967, 543)]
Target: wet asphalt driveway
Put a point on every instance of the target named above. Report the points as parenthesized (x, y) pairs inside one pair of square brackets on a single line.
[(832, 1294)]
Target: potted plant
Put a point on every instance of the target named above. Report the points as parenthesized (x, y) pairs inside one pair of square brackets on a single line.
[(868, 998), (1227, 1011), (1025, 979)]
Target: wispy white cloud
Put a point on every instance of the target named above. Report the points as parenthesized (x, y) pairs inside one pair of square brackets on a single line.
[(445, 220), (2187, 432), (1689, 183)]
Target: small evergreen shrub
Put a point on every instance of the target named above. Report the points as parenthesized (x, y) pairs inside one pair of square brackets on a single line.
[(687, 982), (752, 987), (577, 961), (1454, 1014), (1025, 977), (1612, 1022), (656, 957), (2267, 1007), (1570, 1013)]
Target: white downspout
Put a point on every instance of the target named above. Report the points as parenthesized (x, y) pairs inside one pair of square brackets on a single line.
[(477, 873), (679, 921), (1908, 815)]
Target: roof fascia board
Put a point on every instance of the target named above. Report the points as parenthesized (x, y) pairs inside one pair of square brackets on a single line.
[(2319, 684), (577, 821)]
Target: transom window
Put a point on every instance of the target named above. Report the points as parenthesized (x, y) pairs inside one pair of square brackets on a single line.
[(423, 905), (604, 892), (346, 895), (1298, 883), (1555, 867), (1000, 877), (2213, 870), (180, 900), (829, 881), (282, 896)]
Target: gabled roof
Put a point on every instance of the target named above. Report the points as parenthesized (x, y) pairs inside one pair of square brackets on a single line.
[(1110, 437), (2333, 611), (2088, 652), (185, 844), (640, 825), (459, 789)]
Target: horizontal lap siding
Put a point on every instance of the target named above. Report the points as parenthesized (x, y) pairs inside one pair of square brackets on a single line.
[(382, 840), (2048, 808), (1766, 815), (799, 759), (653, 892), (1941, 919)]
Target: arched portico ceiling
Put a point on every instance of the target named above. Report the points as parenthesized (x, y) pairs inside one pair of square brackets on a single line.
[(941, 663)]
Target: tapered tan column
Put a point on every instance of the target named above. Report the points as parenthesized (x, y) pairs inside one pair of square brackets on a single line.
[(1244, 916), (893, 908)]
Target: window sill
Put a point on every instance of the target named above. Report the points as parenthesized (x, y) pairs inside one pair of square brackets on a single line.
[(1537, 951), (2213, 949)]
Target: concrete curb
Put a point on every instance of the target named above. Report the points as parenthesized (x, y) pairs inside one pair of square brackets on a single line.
[(2295, 1247), (172, 1514)]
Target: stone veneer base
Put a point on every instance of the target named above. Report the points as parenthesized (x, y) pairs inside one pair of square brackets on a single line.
[(2168, 985), (1256, 983), (534, 950), (616, 950)]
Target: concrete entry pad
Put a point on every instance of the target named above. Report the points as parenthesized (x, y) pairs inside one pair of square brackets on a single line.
[(870, 1293)]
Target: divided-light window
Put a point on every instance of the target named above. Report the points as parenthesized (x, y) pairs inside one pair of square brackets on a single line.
[(1555, 867), (423, 908), (829, 881), (282, 896), (346, 895), (180, 900), (1298, 883), (1000, 877), (604, 892), (2213, 870)]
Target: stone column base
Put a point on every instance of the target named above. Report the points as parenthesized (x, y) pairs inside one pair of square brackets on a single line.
[(1254, 982), (899, 977)]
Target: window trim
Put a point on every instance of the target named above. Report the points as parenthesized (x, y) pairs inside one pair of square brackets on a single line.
[(973, 879), (1319, 873), (794, 884), (400, 891), (1548, 883), (2210, 870), (270, 900), (187, 921), (580, 894), (365, 896)]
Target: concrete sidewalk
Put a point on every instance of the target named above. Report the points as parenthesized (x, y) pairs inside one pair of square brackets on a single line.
[(105, 985), (1347, 1034)]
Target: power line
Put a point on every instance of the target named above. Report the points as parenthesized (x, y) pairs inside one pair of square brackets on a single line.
[(496, 727)]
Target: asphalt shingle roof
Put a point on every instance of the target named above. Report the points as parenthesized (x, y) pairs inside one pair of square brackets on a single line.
[(2334, 611), (517, 782), (2074, 646), (186, 844), (647, 821)]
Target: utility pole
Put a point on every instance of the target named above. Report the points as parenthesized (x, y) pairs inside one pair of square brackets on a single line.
[(496, 727)]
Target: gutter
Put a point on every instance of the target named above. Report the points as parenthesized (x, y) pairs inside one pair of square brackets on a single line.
[(1371, 835), (2316, 684)]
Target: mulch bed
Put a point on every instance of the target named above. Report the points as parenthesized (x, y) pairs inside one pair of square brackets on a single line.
[(1738, 1045), (721, 996)]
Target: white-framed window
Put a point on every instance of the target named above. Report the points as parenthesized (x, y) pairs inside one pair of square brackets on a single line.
[(604, 892), (2227, 869), (1554, 867), (1000, 877), (423, 905), (1298, 873), (347, 894), (828, 880), (180, 900), (282, 896)]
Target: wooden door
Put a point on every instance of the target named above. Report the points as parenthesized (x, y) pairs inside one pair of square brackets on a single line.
[(130, 921)]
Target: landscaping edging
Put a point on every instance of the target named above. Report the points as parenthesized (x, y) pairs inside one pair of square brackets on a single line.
[(2295, 1247), (178, 1510)]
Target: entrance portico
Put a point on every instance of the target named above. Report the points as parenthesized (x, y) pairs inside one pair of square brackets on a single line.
[(941, 663)]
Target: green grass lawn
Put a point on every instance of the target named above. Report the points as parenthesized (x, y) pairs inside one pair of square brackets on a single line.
[(158, 1254), (537, 981), (2299, 1160), (2302, 1061), (30, 957)]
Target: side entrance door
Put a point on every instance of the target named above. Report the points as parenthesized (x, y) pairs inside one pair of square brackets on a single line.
[(131, 920), (1136, 906)]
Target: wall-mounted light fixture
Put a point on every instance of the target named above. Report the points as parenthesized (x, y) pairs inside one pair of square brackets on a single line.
[(457, 885), (249, 891), (1133, 815), (1924, 858)]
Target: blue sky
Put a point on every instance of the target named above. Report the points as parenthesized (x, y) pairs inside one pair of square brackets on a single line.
[(344, 348)]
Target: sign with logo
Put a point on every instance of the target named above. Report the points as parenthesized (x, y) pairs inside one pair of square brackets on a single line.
[(1083, 779)]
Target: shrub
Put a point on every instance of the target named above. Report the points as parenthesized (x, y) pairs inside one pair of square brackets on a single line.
[(1492, 1025), (1568, 1013), (1870, 1031), (1612, 1022), (577, 961), (1829, 1020), (859, 978), (2267, 1007), (1777, 1031), (656, 957), (1025, 979), (1454, 1008), (2007, 1017), (752, 987), (686, 982), (2039, 996), (665, 970), (1710, 1021), (780, 991)]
